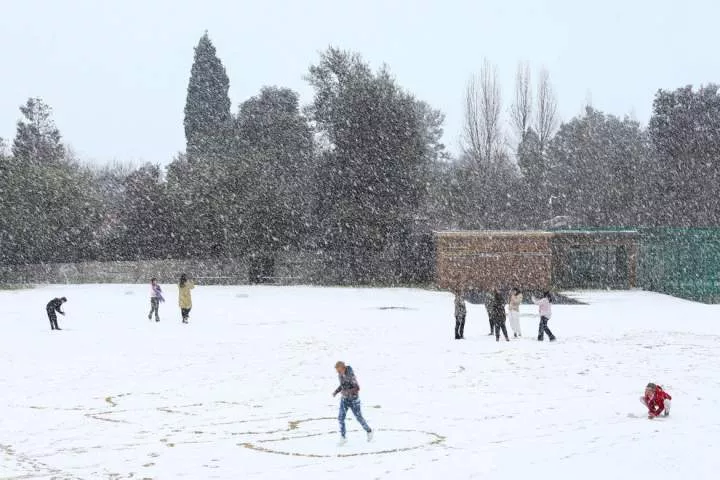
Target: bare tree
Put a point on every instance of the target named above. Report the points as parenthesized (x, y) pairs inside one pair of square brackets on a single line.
[(521, 109), (482, 136), (546, 118), (472, 130)]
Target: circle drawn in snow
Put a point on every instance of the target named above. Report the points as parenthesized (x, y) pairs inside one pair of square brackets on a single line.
[(319, 445)]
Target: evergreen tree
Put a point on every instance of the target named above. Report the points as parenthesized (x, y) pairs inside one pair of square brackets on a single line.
[(530, 158), (50, 210), (195, 186), (7, 206), (685, 133), (146, 215), (207, 109), (373, 175), (277, 153), (37, 139), (597, 165)]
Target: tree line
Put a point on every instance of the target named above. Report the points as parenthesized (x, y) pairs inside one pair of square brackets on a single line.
[(358, 175)]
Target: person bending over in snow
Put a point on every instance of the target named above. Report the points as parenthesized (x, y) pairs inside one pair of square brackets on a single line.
[(349, 389), (52, 307), (545, 308), (155, 299), (656, 400), (460, 313)]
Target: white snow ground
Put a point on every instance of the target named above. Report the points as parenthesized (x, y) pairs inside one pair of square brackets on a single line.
[(244, 390)]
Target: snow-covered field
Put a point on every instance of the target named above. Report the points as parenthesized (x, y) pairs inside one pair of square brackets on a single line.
[(244, 390)]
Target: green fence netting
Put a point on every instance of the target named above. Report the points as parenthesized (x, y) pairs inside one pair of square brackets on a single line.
[(684, 262)]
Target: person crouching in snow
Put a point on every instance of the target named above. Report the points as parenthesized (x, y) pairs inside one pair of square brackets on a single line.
[(545, 308), (349, 389), (656, 400), (155, 299)]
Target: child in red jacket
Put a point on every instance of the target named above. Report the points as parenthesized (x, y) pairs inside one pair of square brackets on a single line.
[(656, 400)]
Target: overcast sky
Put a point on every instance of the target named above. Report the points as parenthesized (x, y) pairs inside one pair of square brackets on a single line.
[(116, 71)]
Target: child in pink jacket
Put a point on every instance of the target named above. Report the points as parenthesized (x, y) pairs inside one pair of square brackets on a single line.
[(545, 306)]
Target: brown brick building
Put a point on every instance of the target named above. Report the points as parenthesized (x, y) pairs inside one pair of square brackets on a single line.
[(536, 260)]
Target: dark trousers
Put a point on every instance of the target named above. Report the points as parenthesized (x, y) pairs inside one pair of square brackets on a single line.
[(185, 312), (500, 325), (459, 326), (492, 326), (53, 320), (154, 308), (544, 329)]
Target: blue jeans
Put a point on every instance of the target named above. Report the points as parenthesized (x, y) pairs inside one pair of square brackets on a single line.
[(354, 405)]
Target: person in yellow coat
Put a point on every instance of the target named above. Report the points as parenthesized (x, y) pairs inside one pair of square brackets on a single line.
[(185, 298)]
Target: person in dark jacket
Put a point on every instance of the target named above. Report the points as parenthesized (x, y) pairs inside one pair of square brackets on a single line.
[(349, 389), (497, 314), (460, 314), (489, 309), (54, 307)]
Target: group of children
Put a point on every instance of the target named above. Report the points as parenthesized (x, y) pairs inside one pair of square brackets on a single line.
[(54, 306), (656, 399), (184, 298), (496, 314)]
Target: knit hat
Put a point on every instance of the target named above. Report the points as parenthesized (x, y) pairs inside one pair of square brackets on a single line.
[(651, 385)]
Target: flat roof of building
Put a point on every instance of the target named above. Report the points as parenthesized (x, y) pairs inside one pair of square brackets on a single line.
[(530, 233)]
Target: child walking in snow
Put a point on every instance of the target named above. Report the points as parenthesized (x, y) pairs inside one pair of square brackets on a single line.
[(514, 302), (155, 299), (545, 307), (349, 389), (185, 297), (656, 400)]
